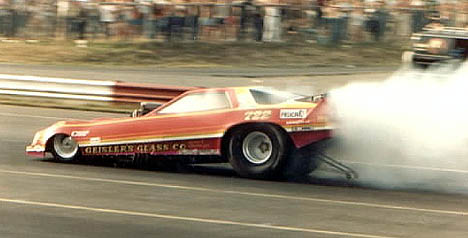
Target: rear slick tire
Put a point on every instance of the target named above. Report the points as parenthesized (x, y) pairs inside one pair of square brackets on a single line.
[(258, 151)]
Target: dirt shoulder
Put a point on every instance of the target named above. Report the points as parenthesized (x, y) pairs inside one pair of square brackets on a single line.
[(201, 54)]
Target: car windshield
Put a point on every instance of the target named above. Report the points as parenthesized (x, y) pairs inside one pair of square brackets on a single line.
[(271, 96)]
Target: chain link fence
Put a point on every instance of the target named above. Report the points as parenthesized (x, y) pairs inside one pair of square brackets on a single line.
[(320, 21)]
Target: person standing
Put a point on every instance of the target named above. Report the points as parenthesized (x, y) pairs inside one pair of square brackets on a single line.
[(332, 22), (244, 19), (81, 21), (108, 17), (418, 20), (402, 16), (381, 16), (461, 18), (145, 8), (62, 17), (272, 30), (357, 20), (258, 24), (4, 17), (92, 19), (319, 4)]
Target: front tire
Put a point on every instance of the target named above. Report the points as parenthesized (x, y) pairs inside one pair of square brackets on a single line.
[(64, 148), (258, 151)]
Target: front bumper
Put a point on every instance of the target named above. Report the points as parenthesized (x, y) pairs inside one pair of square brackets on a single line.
[(429, 59), (36, 151), (38, 146)]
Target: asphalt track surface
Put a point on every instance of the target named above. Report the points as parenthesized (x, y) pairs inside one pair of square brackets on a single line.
[(179, 76), (297, 80), (41, 198)]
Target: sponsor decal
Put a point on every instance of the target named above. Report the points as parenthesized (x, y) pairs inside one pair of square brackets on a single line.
[(131, 149), (293, 113), (79, 133), (199, 152), (302, 128), (297, 122), (317, 127), (94, 140), (257, 115)]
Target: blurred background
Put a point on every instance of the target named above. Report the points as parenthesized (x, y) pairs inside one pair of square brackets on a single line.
[(315, 21), (400, 127)]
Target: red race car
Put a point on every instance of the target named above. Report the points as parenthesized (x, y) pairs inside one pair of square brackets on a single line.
[(254, 129)]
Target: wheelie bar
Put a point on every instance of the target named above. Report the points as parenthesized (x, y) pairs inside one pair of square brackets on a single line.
[(350, 173)]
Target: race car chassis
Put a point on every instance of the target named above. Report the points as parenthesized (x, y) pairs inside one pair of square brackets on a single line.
[(347, 171)]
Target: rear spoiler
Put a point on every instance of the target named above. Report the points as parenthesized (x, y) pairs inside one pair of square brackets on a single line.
[(319, 97), (315, 98)]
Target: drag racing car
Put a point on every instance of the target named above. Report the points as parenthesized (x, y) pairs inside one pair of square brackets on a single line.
[(255, 129), (435, 45)]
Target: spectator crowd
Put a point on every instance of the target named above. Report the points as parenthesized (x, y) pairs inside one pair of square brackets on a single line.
[(322, 21)]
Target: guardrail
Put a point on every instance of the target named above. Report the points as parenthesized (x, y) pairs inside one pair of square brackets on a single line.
[(87, 90), (139, 92)]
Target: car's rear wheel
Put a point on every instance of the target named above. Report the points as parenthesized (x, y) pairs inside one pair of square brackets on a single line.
[(257, 151), (64, 148), (300, 164)]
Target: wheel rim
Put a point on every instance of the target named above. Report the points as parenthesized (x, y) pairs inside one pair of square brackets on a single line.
[(65, 146), (257, 147)]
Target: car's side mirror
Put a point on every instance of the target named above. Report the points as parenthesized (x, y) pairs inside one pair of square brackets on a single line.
[(145, 108)]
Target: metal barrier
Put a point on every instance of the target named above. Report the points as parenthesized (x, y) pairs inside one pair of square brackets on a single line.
[(138, 92), (87, 90)]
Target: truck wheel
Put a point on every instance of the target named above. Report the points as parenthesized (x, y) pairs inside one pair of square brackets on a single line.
[(258, 151), (64, 148)]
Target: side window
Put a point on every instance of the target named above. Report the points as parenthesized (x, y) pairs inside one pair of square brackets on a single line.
[(197, 102), (271, 96)]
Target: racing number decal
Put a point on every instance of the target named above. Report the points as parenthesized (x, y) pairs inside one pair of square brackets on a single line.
[(257, 115)]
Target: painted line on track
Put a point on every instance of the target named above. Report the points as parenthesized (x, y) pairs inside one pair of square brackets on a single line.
[(262, 195), (188, 219)]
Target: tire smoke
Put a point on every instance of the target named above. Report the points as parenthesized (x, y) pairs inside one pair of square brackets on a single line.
[(407, 132)]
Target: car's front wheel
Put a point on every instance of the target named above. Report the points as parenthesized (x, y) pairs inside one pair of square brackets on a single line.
[(64, 148), (258, 151)]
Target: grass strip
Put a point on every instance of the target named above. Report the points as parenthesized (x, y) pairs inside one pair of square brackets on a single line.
[(202, 54)]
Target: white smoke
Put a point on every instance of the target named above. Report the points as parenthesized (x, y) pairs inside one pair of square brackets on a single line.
[(409, 131)]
